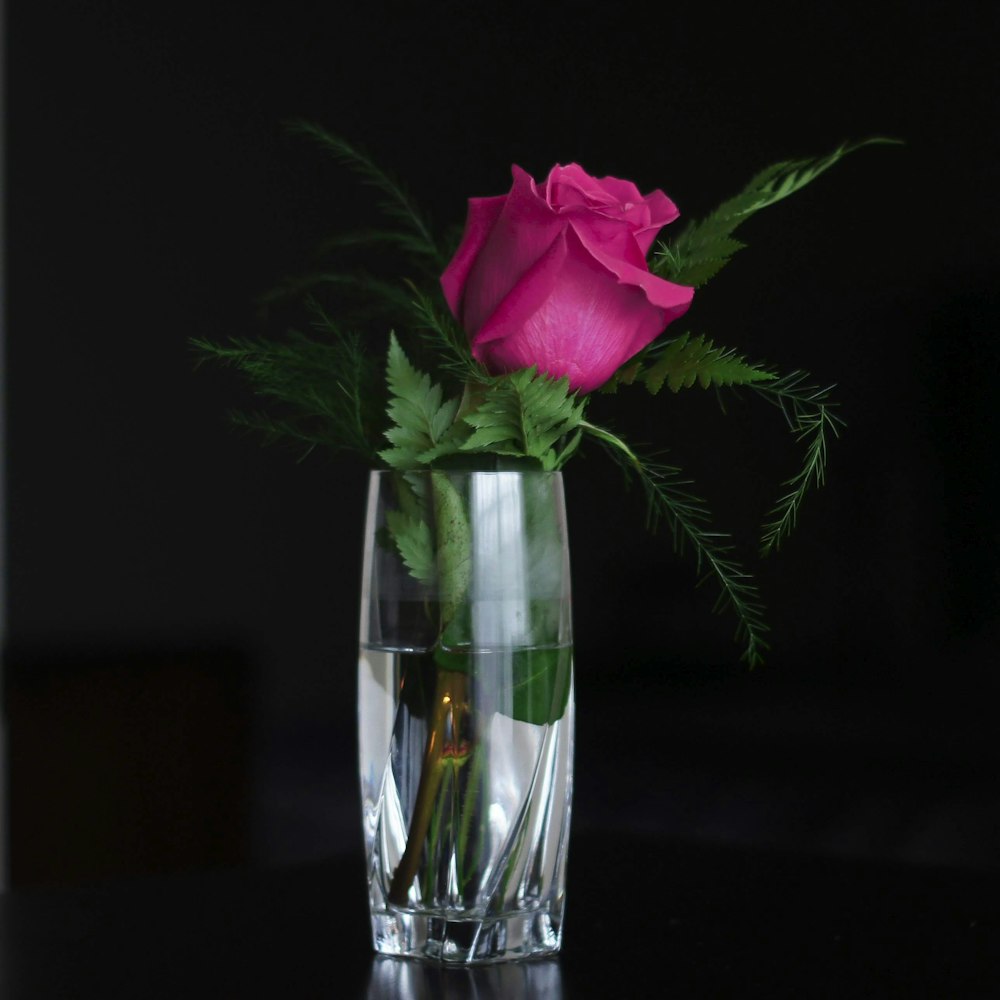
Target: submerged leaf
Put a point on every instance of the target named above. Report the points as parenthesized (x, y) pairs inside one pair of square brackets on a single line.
[(541, 683)]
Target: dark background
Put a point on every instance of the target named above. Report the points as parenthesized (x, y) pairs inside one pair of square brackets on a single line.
[(182, 604)]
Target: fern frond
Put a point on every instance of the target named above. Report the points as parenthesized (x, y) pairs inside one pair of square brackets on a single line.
[(684, 360), (328, 387), (525, 414), (396, 204), (379, 296), (810, 415), (408, 243), (668, 498), (412, 535), (706, 246), (420, 418), (443, 334), (275, 430)]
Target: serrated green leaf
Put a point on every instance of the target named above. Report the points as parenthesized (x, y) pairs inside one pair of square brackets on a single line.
[(685, 360), (454, 552), (703, 248), (396, 202), (324, 384), (421, 420), (524, 414), (413, 539), (444, 335), (669, 498), (810, 416)]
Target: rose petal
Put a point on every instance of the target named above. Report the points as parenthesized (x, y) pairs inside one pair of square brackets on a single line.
[(523, 232), (571, 186), (524, 299), (572, 191), (483, 214), (624, 192), (675, 299), (589, 324), (661, 212), (611, 236)]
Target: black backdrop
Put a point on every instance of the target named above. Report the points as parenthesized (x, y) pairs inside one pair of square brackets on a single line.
[(153, 194)]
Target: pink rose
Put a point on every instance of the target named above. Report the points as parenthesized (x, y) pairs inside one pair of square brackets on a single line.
[(556, 276)]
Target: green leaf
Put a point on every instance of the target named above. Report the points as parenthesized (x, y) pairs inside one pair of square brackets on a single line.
[(408, 243), (685, 360), (541, 681), (810, 416), (539, 678), (525, 414), (421, 420), (706, 246), (669, 498), (413, 539), (444, 335), (396, 203), (325, 386), (378, 295), (454, 552)]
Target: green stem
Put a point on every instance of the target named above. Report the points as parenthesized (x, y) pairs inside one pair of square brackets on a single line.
[(468, 808), (449, 706), (608, 438)]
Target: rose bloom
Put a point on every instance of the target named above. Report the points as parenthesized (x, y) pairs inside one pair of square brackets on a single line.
[(555, 276)]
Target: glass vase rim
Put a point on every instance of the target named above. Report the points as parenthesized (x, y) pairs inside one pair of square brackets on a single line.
[(455, 473)]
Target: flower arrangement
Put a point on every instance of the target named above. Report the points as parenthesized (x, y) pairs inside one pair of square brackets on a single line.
[(554, 291)]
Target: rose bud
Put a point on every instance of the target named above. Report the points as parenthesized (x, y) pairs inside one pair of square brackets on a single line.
[(555, 276)]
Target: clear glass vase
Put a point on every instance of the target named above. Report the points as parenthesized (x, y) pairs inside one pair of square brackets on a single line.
[(465, 707)]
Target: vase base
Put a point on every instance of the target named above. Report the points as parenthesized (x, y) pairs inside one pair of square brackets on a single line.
[(453, 941)]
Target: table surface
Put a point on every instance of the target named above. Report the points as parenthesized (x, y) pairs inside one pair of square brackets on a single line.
[(644, 914)]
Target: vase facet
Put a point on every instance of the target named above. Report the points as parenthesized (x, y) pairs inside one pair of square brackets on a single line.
[(466, 713)]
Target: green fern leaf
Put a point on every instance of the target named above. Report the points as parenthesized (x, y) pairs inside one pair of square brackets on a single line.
[(685, 360), (412, 536), (705, 262), (525, 414), (408, 243), (444, 335), (810, 416), (420, 418), (705, 247), (668, 498), (396, 204), (379, 295), (327, 388)]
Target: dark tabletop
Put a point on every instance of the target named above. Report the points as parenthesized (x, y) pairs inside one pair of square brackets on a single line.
[(645, 917)]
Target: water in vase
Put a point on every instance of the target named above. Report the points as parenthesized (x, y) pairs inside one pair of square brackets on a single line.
[(465, 761)]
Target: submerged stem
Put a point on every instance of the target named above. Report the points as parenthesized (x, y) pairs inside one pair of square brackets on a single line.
[(448, 708)]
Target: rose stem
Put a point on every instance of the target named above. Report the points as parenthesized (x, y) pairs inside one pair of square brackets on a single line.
[(449, 702)]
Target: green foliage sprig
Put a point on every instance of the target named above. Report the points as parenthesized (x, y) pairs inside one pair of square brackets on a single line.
[(326, 386), (811, 416), (704, 247), (526, 415), (669, 499), (523, 415), (330, 390), (421, 418), (414, 235), (682, 361)]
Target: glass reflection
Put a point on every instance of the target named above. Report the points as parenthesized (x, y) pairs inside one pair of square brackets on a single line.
[(403, 979)]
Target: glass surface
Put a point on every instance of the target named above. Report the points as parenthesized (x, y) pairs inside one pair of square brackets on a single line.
[(466, 713)]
